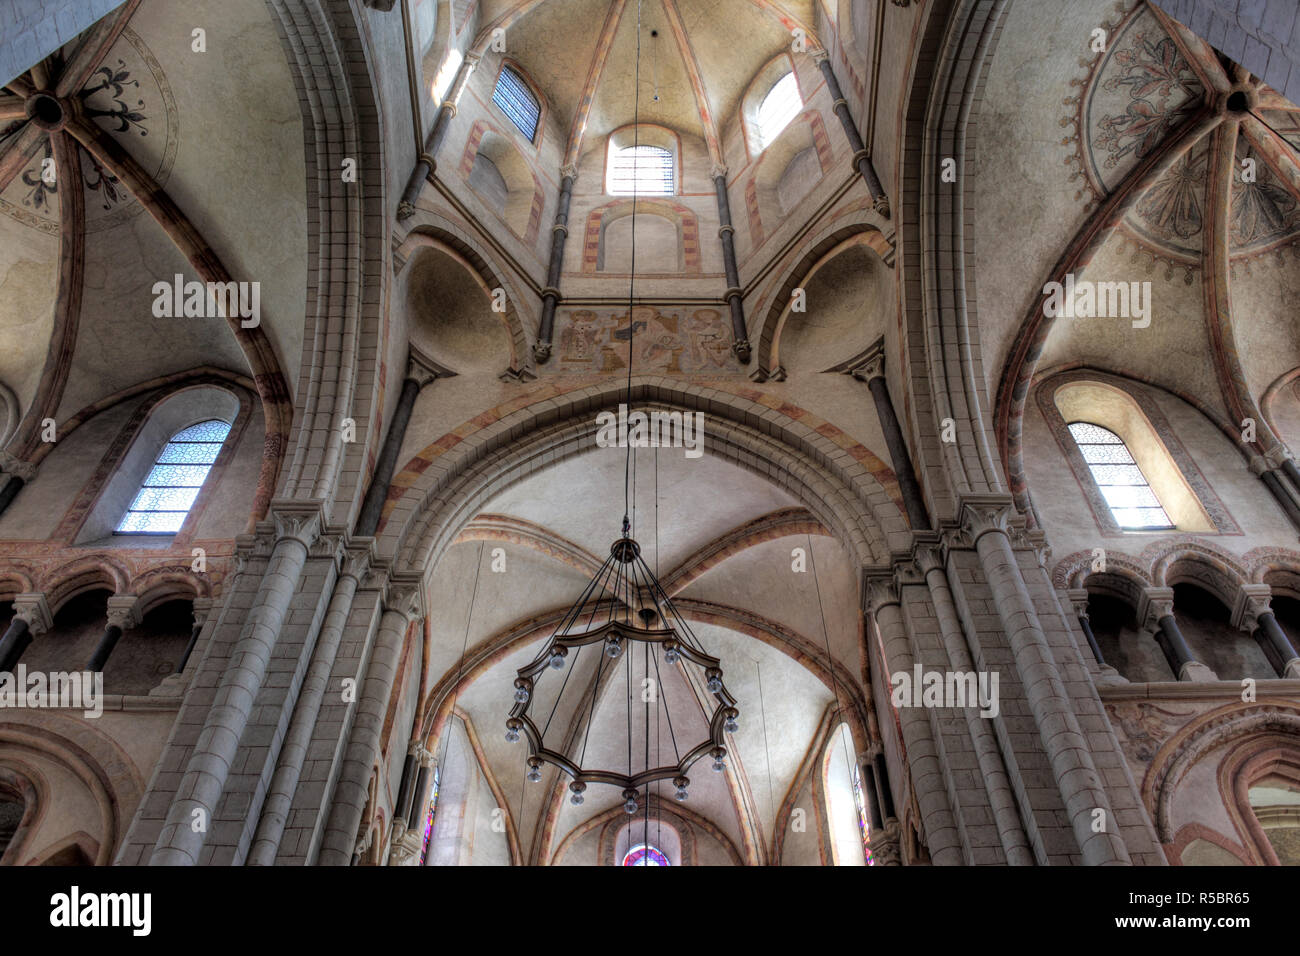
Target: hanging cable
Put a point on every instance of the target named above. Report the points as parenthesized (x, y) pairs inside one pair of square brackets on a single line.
[(628, 493)]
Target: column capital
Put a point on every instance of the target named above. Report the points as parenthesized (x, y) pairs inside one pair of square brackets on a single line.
[(819, 56), (16, 467), (1155, 604), (123, 611), (32, 609), (879, 589), (569, 171), (1251, 603), (1078, 598), (202, 608), (299, 520), (928, 557), (718, 171), (423, 370), (866, 365), (402, 596), (981, 514)]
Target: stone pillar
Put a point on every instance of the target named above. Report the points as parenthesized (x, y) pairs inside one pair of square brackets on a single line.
[(1006, 815), (31, 618), (885, 841), (1156, 612), (551, 294), (928, 782), (202, 606), (868, 773), (293, 755), (181, 840), (726, 233), (408, 821), (1252, 613), (419, 373), (872, 371), (17, 473), (121, 616), (401, 606), (861, 157), (985, 521), (1277, 488), (1077, 599), (426, 163)]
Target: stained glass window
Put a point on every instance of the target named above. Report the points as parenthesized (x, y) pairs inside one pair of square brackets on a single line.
[(864, 822), (517, 102), (781, 105), (641, 171), (428, 818), (173, 483), (644, 855), (1120, 480)]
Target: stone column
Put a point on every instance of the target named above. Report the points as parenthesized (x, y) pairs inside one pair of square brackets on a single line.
[(17, 473), (1077, 599), (1252, 614), (293, 755), (419, 373), (885, 840), (986, 521), (928, 783), (726, 233), (401, 607), (426, 163), (872, 371), (1006, 815), (559, 235), (1156, 612), (408, 820), (297, 525), (121, 616), (202, 606), (31, 618), (861, 157)]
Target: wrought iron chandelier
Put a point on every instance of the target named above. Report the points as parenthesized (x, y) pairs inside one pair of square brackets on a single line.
[(626, 617)]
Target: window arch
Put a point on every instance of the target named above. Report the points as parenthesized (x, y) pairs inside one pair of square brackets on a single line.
[(1125, 488), (168, 491), (643, 854), (641, 171), (778, 107), (514, 97)]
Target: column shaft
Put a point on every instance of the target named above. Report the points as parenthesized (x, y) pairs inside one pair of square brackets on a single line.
[(1174, 645), (902, 461), (349, 798), (739, 333), (860, 158), (420, 801), (1275, 487), (1076, 775), (189, 648), (106, 644), (1275, 644), (872, 795), (10, 491), (1092, 639), (15, 641), (551, 294), (424, 165), (180, 842), (373, 507)]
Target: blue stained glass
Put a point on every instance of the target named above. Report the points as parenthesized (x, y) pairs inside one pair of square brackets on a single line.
[(643, 855), (517, 101), (172, 486), (864, 822)]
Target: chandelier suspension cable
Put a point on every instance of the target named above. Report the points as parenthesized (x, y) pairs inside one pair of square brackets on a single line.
[(464, 647), (830, 666), (629, 494), (767, 753)]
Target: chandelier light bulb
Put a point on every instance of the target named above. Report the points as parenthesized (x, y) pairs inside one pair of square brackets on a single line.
[(613, 648), (521, 695), (731, 726), (630, 806), (512, 735), (715, 684), (534, 774), (557, 659), (681, 794), (719, 765), (575, 796), (672, 655)]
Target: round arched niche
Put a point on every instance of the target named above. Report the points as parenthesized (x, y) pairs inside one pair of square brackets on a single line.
[(655, 832), (451, 316), (844, 303)]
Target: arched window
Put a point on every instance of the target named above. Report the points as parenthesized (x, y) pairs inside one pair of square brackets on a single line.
[(517, 101), (428, 819), (641, 171), (864, 821), (781, 104), (1121, 482), (644, 855), (173, 483)]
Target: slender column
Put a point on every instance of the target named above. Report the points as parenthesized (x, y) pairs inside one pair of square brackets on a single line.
[(551, 294), (868, 774), (418, 374), (18, 473), (402, 809), (293, 755), (986, 524), (1079, 601), (1006, 815), (121, 616), (426, 163), (201, 608), (886, 848), (1292, 472), (180, 842), (861, 157), (872, 371), (1156, 612), (421, 792), (1252, 614), (31, 618), (927, 776), (1277, 488), (726, 232), (349, 798)]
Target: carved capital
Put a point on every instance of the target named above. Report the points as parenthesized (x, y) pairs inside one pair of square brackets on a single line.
[(982, 515), (298, 520), (541, 352), (879, 589), (819, 56), (1078, 598), (929, 558), (202, 608), (1156, 603), (866, 365), (32, 609), (1251, 603), (718, 171), (356, 560), (403, 597), (405, 210), (121, 612), (885, 845), (742, 349), (881, 205), (423, 370), (569, 171), (16, 467)]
